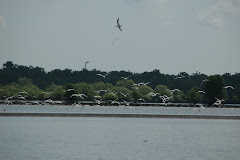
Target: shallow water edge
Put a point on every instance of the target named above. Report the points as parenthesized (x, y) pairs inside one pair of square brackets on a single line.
[(119, 115)]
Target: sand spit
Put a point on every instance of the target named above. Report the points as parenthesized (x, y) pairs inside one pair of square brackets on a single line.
[(119, 115)]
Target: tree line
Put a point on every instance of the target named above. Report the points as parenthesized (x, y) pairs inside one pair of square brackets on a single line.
[(117, 85)]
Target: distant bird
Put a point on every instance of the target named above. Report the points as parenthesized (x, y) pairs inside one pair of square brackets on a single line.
[(78, 95), (218, 102), (85, 66), (97, 97), (98, 101), (142, 83), (101, 75), (47, 92), (202, 92), (68, 90), (226, 87), (179, 77), (21, 98), (152, 94), (174, 90), (125, 95), (23, 92), (115, 102), (126, 103), (205, 80), (125, 77), (114, 40), (118, 25), (102, 90), (141, 99), (200, 105)]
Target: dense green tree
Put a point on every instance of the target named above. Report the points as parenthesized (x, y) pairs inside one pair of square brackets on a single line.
[(126, 83), (162, 90), (214, 88), (54, 92), (193, 95)]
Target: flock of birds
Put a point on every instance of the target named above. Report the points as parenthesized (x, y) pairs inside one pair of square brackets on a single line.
[(22, 95), (99, 99)]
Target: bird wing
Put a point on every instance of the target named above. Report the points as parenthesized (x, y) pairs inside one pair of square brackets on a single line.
[(99, 75), (120, 28), (118, 21)]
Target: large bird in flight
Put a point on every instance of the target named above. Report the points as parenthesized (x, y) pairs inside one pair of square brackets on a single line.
[(118, 25)]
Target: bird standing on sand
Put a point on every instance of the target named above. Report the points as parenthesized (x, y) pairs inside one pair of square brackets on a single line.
[(118, 25)]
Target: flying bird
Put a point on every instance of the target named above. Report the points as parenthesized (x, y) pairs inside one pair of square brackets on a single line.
[(114, 40), (118, 25), (205, 80), (202, 92), (68, 90), (125, 77), (86, 64), (226, 87), (104, 76), (79, 95)]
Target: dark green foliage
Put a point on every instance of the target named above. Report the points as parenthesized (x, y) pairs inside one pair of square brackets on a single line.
[(86, 82), (214, 88)]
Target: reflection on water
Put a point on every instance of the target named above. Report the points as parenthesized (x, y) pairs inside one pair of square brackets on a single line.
[(119, 110), (28, 138)]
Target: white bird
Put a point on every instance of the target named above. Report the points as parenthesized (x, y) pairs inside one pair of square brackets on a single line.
[(126, 103), (118, 25), (68, 90), (101, 75), (200, 105), (125, 77), (102, 90), (174, 90), (98, 101), (140, 99), (152, 94), (8, 98), (179, 77), (21, 98), (218, 102), (202, 92), (23, 92), (145, 84), (125, 95), (205, 80), (78, 95), (226, 87), (115, 102), (97, 97), (47, 92)]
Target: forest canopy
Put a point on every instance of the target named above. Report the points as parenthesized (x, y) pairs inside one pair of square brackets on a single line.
[(121, 85)]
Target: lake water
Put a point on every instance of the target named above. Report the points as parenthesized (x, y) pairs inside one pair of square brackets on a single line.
[(69, 138)]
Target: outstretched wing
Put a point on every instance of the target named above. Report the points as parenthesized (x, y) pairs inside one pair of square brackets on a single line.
[(118, 21)]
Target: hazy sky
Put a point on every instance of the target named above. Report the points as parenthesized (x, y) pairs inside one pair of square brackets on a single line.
[(170, 35)]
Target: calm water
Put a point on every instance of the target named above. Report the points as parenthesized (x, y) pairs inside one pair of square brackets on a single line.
[(56, 138), (119, 110)]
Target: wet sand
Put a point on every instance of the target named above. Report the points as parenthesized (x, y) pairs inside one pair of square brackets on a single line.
[(119, 115)]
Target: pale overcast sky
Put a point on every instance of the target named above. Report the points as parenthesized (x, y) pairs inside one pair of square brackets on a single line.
[(170, 35)]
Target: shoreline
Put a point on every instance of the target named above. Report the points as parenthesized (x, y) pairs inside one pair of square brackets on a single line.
[(119, 116), (106, 103)]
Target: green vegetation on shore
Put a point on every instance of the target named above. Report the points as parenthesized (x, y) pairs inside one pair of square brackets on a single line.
[(41, 85)]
